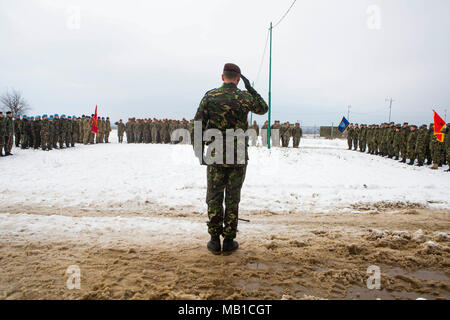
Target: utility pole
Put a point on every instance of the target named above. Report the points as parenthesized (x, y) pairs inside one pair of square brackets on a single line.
[(390, 107), (348, 113), (270, 87)]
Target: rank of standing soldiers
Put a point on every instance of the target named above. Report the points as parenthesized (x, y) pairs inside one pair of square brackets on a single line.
[(401, 142), (160, 131), (49, 132), (151, 130)]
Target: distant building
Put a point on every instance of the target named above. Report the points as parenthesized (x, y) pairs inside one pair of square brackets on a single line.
[(330, 132)]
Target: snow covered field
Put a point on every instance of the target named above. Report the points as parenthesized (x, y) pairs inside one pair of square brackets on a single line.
[(320, 176)]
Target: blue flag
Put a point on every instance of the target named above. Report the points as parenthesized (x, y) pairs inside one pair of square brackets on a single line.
[(343, 125)]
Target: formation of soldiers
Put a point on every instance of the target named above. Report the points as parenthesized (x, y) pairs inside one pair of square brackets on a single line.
[(401, 142), (49, 132), (160, 131), (151, 130), (286, 132)]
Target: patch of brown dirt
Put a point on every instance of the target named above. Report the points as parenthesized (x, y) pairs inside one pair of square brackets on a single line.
[(292, 256)]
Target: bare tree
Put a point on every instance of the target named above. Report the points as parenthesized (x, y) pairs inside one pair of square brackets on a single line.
[(14, 102)]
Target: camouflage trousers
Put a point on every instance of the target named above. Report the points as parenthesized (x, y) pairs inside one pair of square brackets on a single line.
[(362, 145), (86, 137), (411, 154), (349, 142), (421, 154), (18, 138), (355, 143), (396, 148), (403, 150), (228, 180), (438, 153), (9, 143), (46, 143), (296, 142)]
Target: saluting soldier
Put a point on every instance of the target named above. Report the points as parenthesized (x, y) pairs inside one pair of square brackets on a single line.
[(225, 108)]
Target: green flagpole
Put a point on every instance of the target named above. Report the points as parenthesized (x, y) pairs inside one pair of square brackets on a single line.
[(270, 87)]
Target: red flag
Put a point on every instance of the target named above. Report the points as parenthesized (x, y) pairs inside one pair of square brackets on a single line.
[(439, 125), (94, 123)]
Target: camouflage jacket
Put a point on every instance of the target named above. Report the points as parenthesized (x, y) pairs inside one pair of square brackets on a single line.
[(17, 125), (397, 138), (36, 126), (297, 132), (44, 127), (228, 107), (9, 126), (120, 128), (404, 135), (2, 127), (412, 138)]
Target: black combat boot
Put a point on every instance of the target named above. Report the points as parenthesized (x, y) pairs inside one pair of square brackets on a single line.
[(8, 154), (229, 245), (396, 158), (214, 245), (411, 162)]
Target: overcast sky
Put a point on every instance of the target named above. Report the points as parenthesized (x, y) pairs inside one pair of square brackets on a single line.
[(157, 58)]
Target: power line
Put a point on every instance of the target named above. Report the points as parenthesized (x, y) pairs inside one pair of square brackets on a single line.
[(263, 56), (267, 41), (284, 16)]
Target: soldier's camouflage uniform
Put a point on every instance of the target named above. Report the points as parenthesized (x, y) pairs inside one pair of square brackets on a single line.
[(107, 130), (437, 150), (411, 145), (421, 145), (120, 131), (285, 132), (396, 143), (227, 108), (37, 133), (355, 137), (296, 136), (363, 139), (2, 133), (17, 130), (255, 139), (447, 144), (45, 137), (404, 142), (350, 131)]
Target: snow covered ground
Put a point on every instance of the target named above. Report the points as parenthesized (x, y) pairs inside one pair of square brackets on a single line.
[(320, 176)]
